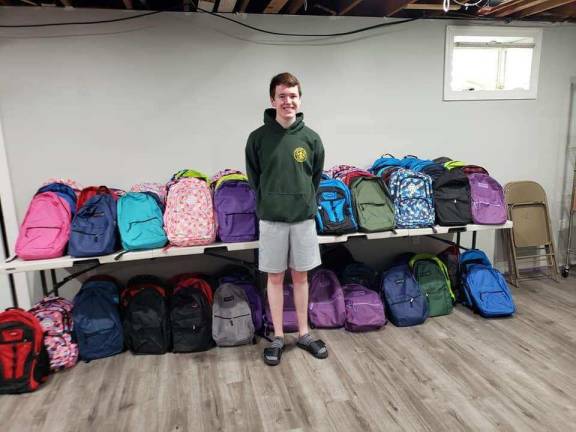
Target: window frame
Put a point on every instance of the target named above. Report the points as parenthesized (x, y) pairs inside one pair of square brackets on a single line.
[(454, 30)]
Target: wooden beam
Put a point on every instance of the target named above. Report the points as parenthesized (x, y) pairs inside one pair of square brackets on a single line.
[(227, 6), (515, 8), (295, 6), (547, 5), (502, 6), (566, 11), (325, 9), (243, 6), (351, 6), (435, 7), (275, 6), (393, 6)]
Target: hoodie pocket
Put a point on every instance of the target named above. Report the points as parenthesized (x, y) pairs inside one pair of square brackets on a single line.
[(285, 206)]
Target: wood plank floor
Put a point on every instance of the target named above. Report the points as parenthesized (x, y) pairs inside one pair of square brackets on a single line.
[(459, 372)]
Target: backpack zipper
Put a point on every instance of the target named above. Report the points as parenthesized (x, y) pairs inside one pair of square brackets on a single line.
[(14, 361)]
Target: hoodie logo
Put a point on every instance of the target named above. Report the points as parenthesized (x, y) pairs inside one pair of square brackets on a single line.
[(300, 154)]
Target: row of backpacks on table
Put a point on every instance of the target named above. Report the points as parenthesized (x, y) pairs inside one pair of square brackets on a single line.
[(394, 193), (408, 193), (190, 210), (150, 316)]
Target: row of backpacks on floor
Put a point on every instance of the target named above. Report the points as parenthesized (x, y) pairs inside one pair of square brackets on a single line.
[(394, 193), (150, 316)]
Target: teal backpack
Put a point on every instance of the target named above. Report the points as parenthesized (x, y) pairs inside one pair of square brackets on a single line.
[(140, 221), (434, 280)]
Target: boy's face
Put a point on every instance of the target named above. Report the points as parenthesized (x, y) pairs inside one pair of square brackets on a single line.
[(286, 101)]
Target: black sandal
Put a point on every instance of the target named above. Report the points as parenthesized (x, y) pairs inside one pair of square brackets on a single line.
[(317, 348), (272, 355)]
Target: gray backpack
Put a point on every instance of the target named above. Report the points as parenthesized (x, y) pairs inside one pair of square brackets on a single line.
[(231, 316)]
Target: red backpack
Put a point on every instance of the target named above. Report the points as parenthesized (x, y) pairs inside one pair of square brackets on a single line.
[(92, 191), (193, 280), (24, 363)]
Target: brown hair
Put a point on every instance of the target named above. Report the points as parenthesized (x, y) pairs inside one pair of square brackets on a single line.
[(285, 78)]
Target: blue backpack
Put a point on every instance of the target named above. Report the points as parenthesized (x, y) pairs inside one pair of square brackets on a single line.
[(93, 229), (485, 290), (140, 221), (384, 161), (412, 194), (64, 191), (335, 214), (405, 303), (96, 319)]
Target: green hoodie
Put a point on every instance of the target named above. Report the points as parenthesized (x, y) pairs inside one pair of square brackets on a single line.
[(284, 167)]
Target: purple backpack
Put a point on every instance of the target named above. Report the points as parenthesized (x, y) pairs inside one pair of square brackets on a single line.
[(326, 305), (235, 206), (487, 197), (290, 319), (364, 309), (252, 294)]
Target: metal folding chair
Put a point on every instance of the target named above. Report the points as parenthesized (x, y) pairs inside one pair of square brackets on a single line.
[(570, 250), (532, 231)]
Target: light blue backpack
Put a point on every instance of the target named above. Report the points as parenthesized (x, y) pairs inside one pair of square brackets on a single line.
[(140, 221), (413, 200)]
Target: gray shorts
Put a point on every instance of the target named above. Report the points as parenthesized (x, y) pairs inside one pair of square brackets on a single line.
[(284, 245)]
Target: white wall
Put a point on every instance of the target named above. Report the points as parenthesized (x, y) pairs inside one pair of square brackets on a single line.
[(137, 100)]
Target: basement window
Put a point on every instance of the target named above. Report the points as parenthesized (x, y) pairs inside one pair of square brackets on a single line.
[(483, 63)]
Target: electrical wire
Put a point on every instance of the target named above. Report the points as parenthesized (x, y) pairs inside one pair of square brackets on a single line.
[(81, 22), (351, 32), (362, 29)]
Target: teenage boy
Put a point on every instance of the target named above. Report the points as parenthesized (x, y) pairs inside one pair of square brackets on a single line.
[(284, 162)]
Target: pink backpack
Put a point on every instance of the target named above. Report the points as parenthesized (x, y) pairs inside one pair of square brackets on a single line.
[(158, 188), (189, 218), (45, 230), (55, 316)]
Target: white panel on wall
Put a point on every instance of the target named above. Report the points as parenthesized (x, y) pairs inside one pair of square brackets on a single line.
[(125, 102)]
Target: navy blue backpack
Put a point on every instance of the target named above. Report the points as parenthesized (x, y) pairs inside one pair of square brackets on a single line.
[(485, 290), (94, 228), (96, 319), (335, 214), (405, 303)]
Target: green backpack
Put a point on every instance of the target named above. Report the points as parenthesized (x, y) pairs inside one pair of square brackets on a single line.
[(373, 204), (450, 165), (432, 276)]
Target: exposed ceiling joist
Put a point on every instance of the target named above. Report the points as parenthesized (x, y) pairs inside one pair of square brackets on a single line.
[(275, 6), (351, 6), (393, 6), (435, 7), (295, 6), (515, 8), (502, 6), (546, 5), (244, 5), (567, 11), (227, 6)]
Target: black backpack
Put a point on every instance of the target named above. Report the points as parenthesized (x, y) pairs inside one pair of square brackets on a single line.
[(361, 274), (452, 198), (451, 259), (191, 316), (145, 315)]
